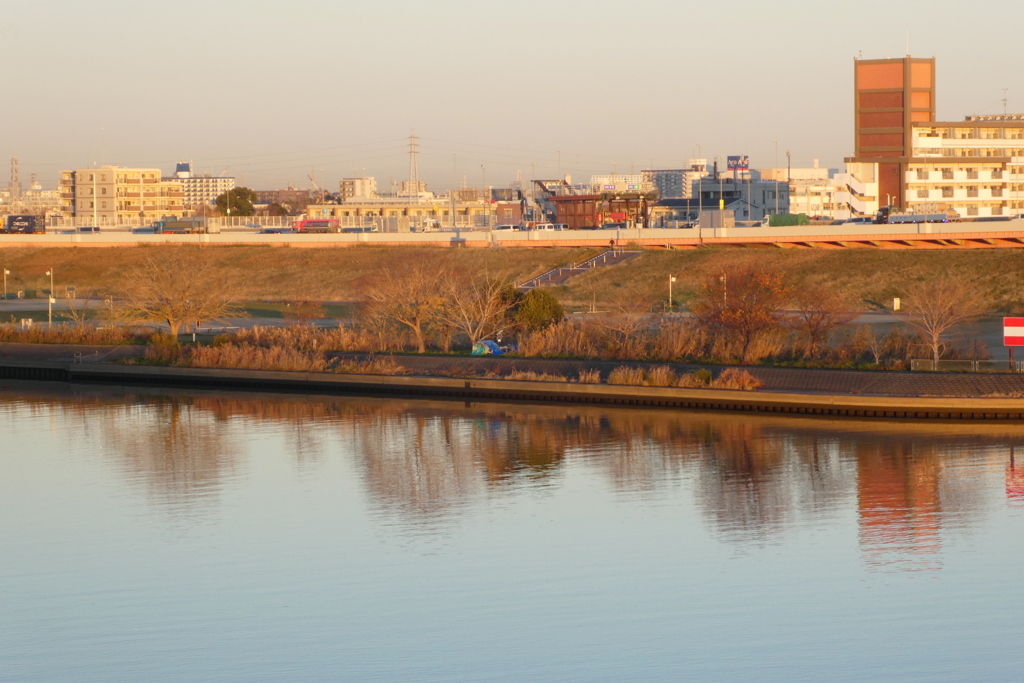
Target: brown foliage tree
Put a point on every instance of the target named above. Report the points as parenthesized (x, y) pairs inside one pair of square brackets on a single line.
[(744, 304), (410, 297), (935, 307), (304, 312), (176, 285)]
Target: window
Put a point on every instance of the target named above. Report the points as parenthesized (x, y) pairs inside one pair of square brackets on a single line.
[(922, 174), (997, 192), (972, 174), (947, 174), (922, 194), (997, 211), (103, 191), (972, 191), (997, 174), (947, 192)]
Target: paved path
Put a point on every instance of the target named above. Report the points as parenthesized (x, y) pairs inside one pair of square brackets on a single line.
[(798, 380), (795, 380)]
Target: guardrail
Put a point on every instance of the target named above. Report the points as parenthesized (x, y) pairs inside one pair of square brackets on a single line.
[(929, 365)]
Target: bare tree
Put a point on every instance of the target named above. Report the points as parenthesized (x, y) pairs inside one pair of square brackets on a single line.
[(623, 325), (78, 315), (476, 308), (303, 313), (175, 285), (744, 304), (410, 297), (936, 307), (819, 311)]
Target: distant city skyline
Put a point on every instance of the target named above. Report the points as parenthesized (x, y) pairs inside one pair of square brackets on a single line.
[(330, 89)]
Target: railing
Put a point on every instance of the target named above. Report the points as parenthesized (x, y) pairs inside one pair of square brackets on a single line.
[(929, 365)]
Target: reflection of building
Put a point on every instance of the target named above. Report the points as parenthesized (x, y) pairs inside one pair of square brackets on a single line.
[(117, 195), (200, 189), (898, 499)]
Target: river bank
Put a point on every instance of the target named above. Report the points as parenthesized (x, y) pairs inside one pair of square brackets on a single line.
[(838, 393)]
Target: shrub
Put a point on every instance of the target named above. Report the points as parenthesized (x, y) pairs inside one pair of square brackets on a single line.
[(660, 376), (627, 376), (589, 377), (731, 378), (538, 309)]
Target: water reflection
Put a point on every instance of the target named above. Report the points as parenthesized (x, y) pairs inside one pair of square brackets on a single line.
[(752, 478)]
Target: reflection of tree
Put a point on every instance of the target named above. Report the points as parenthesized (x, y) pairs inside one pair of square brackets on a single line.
[(752, 477)]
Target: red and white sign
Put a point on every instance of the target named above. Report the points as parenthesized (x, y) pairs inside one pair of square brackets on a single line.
[(1013, 331)]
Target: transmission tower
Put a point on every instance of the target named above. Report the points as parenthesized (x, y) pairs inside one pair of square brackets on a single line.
[(414, 171), (15, 182)]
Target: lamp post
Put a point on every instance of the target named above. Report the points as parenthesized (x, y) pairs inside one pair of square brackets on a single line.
[(6, 273), (671, 279), (49, 302)]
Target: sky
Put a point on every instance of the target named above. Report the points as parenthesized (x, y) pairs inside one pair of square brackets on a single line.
[(273, 93)]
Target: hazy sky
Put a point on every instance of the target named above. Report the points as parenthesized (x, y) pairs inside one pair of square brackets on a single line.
[(270, 90)]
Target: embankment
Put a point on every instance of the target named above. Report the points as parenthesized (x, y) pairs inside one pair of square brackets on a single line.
[(476, 389)]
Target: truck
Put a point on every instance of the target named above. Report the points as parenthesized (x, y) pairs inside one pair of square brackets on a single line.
[(172, 225), (24, 224), (318, 225)]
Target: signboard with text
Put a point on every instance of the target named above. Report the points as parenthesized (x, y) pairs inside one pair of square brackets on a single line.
[(739, 163)]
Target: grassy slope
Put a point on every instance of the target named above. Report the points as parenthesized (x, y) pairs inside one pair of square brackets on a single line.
[(335, 274), (274, 273), (861, 275)]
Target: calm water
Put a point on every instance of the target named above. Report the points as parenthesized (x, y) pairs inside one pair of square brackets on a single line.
[(158, 536)]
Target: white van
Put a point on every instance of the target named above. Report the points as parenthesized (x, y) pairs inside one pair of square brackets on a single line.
[(507, 226)]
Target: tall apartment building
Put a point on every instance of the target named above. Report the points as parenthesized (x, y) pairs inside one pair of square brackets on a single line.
[(202, 188), (890, 96), (116, 195), (353, 188)]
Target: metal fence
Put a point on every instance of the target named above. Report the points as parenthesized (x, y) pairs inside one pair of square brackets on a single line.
[(929, 365)]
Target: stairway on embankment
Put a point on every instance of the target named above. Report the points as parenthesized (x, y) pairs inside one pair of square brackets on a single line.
[(562, 274)]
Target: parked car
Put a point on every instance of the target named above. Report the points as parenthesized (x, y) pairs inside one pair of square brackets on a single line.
[(506, 226), (276, 231), (614, 226), (88, 230)]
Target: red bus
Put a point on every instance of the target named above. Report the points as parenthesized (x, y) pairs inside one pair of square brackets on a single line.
[(318, 225)]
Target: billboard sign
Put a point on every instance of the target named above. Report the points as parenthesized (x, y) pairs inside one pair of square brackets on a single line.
[(1013, 331), (739, 163)]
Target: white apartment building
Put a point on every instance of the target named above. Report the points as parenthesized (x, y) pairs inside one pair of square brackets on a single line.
[(200, 189), (975, 166), (114, 195), (357, 188)]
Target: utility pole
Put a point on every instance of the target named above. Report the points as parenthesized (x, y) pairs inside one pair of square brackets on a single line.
[(50, 299)]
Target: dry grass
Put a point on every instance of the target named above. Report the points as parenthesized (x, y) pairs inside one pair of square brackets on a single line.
[(731, 378), (663, 376), (274, 273), (856, 275), (589, 377), (73, 334), (378, 365), (530, 376), (247, 357), (306, 338)]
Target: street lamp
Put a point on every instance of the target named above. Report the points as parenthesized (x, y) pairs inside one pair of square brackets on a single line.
[(6, 273), (49, 303), (671, 279)]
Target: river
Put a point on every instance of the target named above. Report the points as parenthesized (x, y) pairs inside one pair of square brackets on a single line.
[(162, 535)]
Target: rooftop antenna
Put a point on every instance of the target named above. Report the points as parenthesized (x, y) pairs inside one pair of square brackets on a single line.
[(908, 42), (1005, 99)]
